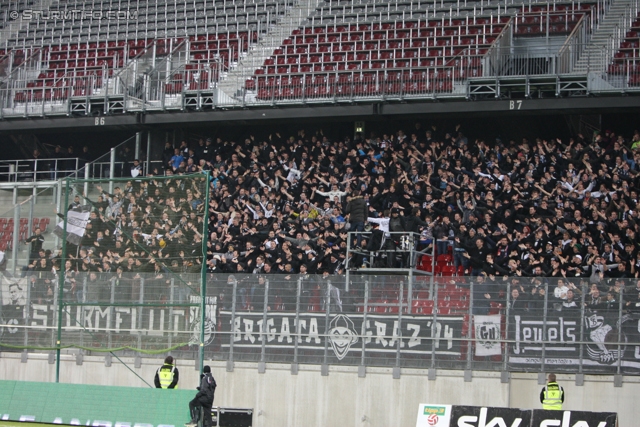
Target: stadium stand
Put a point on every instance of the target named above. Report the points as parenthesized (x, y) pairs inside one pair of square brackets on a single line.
[(558, 209), (625, 61), (73, 55), (528, 228), (411, 55), (176, 54)]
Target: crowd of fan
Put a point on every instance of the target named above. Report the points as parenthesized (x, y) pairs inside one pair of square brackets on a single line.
[(284, 204), (145, 229)]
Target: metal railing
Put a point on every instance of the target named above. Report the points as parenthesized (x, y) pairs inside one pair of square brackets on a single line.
[(150, 83), (116, 163), (29, 205), (574, 46), (169, 91), (40, 169), (468, 323), (129, 82), (357, 85), (620, 31)]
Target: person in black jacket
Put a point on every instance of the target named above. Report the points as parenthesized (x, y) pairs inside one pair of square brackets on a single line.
[(203, 399), (357, 210), (36, 241)]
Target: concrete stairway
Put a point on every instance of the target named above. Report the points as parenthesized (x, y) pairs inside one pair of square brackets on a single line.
[(599, 52), (232, 83)]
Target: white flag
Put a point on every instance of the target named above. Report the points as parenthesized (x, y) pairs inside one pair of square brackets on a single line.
[(76, 226), (487, 333)]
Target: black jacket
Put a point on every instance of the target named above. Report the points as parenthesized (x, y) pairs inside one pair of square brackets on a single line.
[(357, 210), (36, 243), (207, 387)]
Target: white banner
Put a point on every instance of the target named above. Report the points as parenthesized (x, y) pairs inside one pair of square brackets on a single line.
[(76, 226), (487, 334), (433, 415)]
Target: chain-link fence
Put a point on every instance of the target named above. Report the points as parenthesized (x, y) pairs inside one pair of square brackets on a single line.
[(26, 223), (127, 278), (131, 276), (480, 323)]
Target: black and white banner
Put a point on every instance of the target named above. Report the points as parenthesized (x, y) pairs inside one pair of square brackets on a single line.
[(210, 319), (607, 340), (157, 321), (13, 296), (76, 225), (381, 333), (487, 334)]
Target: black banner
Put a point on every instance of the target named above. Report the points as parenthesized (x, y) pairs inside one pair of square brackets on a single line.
[(601, 331), (153, 321), (481, 416), (381, 332), (542, 418)]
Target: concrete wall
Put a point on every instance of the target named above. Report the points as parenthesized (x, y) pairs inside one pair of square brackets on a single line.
[(340, 399)]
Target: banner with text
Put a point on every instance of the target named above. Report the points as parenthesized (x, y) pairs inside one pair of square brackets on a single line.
[(156, 322), (381, 332), (480, 416), (607, 340)]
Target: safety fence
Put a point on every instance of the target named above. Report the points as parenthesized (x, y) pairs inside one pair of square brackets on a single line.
[(130, 268), (28, 207), (469, 323), (149, 313)]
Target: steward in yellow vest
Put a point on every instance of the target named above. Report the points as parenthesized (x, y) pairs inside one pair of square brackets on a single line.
[(167, 375), (552, 395)]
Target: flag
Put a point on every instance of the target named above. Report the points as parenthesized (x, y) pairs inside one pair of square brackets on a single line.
[(487, 333), (76, 225)]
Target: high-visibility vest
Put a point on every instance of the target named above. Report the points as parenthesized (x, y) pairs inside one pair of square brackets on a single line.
[(552, 397), (166, 376)]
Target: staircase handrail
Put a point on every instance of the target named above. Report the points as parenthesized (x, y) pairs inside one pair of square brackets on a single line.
[(622, 25), (122, 77), (501, 42), (573, 47), (164, 66), (35, 50)]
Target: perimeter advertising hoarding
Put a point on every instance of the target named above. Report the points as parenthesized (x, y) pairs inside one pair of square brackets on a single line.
[(573, 419), (433, 415), (95, 406), (482, 416)]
